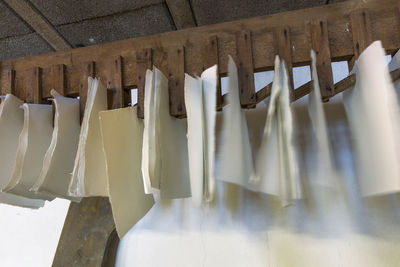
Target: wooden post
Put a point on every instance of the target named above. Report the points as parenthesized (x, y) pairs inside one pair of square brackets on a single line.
[(116, 90), (59, 81), (244, 55), (397, 14), (361, 31), (320, 44), (209, 56), (176, 79), (283, 48), (34, 93), (8, 86), (87, 71), (144, 62)]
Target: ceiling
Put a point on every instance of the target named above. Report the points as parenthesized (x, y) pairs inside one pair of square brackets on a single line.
[(89, 22)]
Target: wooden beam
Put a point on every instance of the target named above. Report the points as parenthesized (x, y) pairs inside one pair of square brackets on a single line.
[(320, 44), (34, 86), (144, 62), (361, 30), (59, 80), (244, 54), (8, 82), (115, 84), (181, 13), (176, 78), (38, 23)]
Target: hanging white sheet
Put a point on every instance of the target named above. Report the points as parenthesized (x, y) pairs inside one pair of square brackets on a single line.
[(373, 112), (58, 162), (151, 149), (89, 177), (122, 135), (276, 171), (34, 140), (175, 180), (200, 102), (234, 157)]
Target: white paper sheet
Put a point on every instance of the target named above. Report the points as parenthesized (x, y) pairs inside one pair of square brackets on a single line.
[(373, 113), (175, 180), (235, 156), (34, 141), (151, 151), (89, 177), (122, 135), (325, 165), (58, 162)]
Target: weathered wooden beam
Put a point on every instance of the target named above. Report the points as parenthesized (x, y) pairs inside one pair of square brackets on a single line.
[(115, 84), (59, 80), (361, 30), (144, 62), (320, 44), (181, 13), (39, 23), (8, 82), (34, 93), (244, 55), (176, 78)]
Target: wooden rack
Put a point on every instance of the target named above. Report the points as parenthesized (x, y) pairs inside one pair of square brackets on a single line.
[(336, 32)]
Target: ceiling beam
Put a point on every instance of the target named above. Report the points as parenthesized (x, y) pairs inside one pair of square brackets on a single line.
[(181, 13), (39, 23)]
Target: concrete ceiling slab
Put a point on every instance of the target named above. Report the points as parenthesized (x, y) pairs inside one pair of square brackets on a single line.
[(212, 11), (22, 46), (11, 24), (145, 21), (67, 11)]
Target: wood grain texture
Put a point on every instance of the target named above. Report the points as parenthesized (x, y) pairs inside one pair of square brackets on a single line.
[(59, 80), (244, 55), (320, 44), (283, 48), (176, 78), (8, 82), (34, 86), (361, 30), (143, 62), (114, 84), (181, 13)]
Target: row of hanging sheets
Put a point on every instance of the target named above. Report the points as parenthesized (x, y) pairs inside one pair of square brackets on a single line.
[(132, 162)]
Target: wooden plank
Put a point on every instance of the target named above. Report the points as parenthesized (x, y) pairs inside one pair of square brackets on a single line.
[(34, 93), (361, 30), (40, 24), (87, 228), (59, 80), (337, 16), (144, 62), (176, 78), (244, 54), (320, 44), (87, 70), (397, 14), (181, 13), (115, 84), (209, 53), (283, 48), (8, 84)]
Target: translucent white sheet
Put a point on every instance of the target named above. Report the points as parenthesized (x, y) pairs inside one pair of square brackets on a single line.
[(55, 175), (122, 134)]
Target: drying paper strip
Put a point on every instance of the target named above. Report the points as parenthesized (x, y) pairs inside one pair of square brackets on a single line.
[(175, 181), (58, 161), (235, 158), (276, 171), (89, 177), (373, 113), (200, 101), (150, 151), (122, 134), (34, 140), (316, 111)]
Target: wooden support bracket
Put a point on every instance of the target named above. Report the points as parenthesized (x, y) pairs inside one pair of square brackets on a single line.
[(244, 55), (144, 62), (283, 48), (114, 84), (8, 86), (59, 82), (88, 70), (320, 44), (34, 90), (397, 14), (209, 55), (361, 31), (176, 78)]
